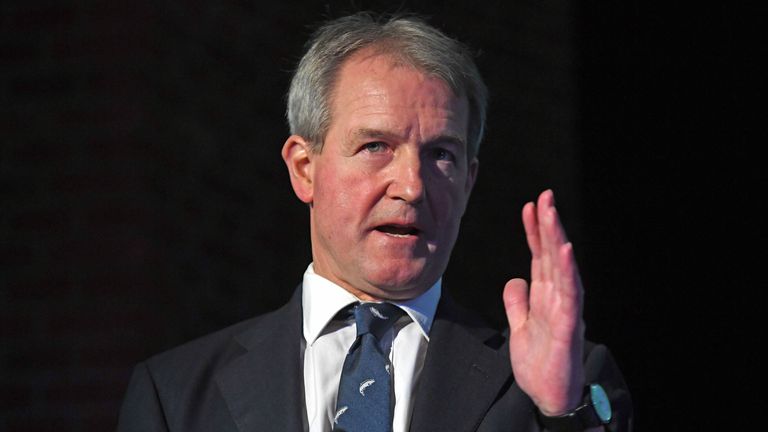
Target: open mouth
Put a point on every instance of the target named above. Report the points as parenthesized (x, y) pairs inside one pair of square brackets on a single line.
[(398, 230)]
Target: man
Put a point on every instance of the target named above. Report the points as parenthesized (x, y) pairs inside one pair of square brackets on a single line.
[(386, 120)]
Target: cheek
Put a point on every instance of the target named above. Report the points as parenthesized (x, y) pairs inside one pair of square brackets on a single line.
[(345, 200), (447, 202)]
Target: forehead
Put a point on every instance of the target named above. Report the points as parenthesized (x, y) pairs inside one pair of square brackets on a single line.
[(377, 88)]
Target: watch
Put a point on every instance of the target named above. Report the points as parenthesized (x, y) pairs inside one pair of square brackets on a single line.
[(594, 411)]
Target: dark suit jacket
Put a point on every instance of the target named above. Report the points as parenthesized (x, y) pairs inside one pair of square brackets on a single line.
[(249, 377)]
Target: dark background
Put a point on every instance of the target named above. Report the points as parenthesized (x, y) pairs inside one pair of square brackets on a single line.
[(143, 201)]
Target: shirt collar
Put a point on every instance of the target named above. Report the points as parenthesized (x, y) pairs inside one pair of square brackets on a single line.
[(321, 299)]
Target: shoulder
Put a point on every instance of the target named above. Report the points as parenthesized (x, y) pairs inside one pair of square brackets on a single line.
[(196, 363), (209, 351), (164, 387), (191, 368), (185, 387), (454, 317)]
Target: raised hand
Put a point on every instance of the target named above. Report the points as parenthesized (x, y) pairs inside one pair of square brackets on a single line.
[(545, 322)]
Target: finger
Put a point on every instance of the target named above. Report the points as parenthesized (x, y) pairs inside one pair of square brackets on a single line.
[(553, 234), (564, 269), (516, 303), (531, 225), (571, 295), (545, 215), (568, 281), (533, 238)]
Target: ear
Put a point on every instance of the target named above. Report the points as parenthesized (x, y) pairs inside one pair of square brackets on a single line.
[(472, 169), (298, 158), (474, 166)]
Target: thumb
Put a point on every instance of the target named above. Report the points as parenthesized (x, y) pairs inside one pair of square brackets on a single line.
[(516, 302)]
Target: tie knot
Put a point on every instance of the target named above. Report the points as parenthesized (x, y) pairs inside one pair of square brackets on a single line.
[(376, 318)]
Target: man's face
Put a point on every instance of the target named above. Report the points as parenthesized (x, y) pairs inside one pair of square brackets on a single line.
[(391, 183)]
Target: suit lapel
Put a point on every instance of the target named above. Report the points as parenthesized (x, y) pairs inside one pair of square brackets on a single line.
[(465, 368), (264, 387)]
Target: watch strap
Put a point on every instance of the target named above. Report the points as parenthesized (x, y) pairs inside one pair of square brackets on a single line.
[(577, 420)]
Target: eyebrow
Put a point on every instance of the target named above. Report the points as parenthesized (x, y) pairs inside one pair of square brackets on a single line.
[(376, 133)]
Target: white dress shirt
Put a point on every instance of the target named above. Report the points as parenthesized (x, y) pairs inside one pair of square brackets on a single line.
[(327, 343)]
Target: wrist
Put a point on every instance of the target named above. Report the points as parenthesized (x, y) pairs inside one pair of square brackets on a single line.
[(562, 406), (593, 411), (557, 412)]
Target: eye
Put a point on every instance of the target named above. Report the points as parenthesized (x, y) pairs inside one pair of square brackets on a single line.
[(374, 147), (443, 154)]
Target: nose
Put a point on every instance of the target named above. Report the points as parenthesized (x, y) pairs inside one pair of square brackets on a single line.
[(407, 181)]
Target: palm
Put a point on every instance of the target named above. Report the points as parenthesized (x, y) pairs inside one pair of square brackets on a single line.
[(546, 330)]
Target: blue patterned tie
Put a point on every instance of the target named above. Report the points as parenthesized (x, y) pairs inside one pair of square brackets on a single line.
[(365, 400)]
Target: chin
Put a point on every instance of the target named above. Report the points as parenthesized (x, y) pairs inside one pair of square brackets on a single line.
[(400, 281)]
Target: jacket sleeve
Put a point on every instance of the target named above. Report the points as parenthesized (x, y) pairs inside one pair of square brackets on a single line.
[(142, 410), (601, 368)]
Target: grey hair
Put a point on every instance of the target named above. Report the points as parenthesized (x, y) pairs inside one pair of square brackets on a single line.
[(410, 40)]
